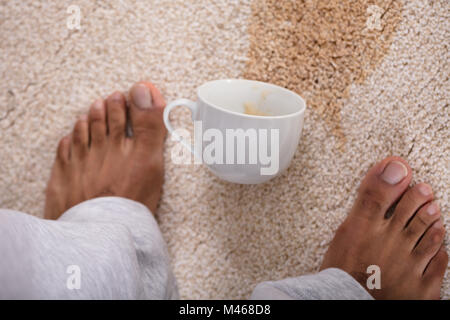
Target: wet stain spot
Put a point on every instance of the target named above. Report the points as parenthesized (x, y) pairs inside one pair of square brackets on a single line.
[(319, 48)]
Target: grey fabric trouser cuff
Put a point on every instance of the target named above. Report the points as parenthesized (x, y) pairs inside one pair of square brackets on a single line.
[(329, 284)]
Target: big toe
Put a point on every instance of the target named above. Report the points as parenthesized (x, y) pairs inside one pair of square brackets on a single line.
[(146, 112), (381, 188)]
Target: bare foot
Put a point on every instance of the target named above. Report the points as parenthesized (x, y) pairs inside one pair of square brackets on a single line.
[(407, 246), (98, 158)]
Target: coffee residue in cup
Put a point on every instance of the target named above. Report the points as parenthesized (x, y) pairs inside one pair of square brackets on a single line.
[(250, 109)]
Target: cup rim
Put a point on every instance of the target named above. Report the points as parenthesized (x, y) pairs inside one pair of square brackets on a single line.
[(289, 115)]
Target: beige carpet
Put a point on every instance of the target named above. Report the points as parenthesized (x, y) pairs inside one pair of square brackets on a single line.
[(371, 93)]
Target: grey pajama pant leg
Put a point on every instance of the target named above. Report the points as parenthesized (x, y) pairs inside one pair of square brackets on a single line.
[(329, 284), (112, 246)]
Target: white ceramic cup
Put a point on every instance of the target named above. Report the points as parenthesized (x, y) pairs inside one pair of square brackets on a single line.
[(220, 109)]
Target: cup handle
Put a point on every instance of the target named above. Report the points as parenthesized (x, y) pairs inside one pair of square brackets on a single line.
[(180, 103)]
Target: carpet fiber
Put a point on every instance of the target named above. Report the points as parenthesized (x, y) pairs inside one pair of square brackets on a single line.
[(372, 91)]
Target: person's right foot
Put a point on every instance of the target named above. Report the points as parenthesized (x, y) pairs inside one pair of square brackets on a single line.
[(407, 246)]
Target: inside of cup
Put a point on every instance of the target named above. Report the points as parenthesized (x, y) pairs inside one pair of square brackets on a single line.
[(251, 97)]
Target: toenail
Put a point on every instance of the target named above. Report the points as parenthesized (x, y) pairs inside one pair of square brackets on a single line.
[(98, 104), (116, 96), (432, 209), (424, 189), (141, 96), (83, 117), (394, 172), (438, 224)]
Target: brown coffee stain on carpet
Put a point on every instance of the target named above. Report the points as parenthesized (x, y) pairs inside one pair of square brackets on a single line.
[(319, 48)]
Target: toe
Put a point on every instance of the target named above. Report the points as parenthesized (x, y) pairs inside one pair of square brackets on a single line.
[(80, 138), (429, 245), (97, 123), (410, 202), (434, 274), (116, 114), (146, 110), (381, 188), (420, 223), (63, 153)]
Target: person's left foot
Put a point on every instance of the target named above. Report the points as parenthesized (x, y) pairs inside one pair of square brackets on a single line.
[(99, 159)]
